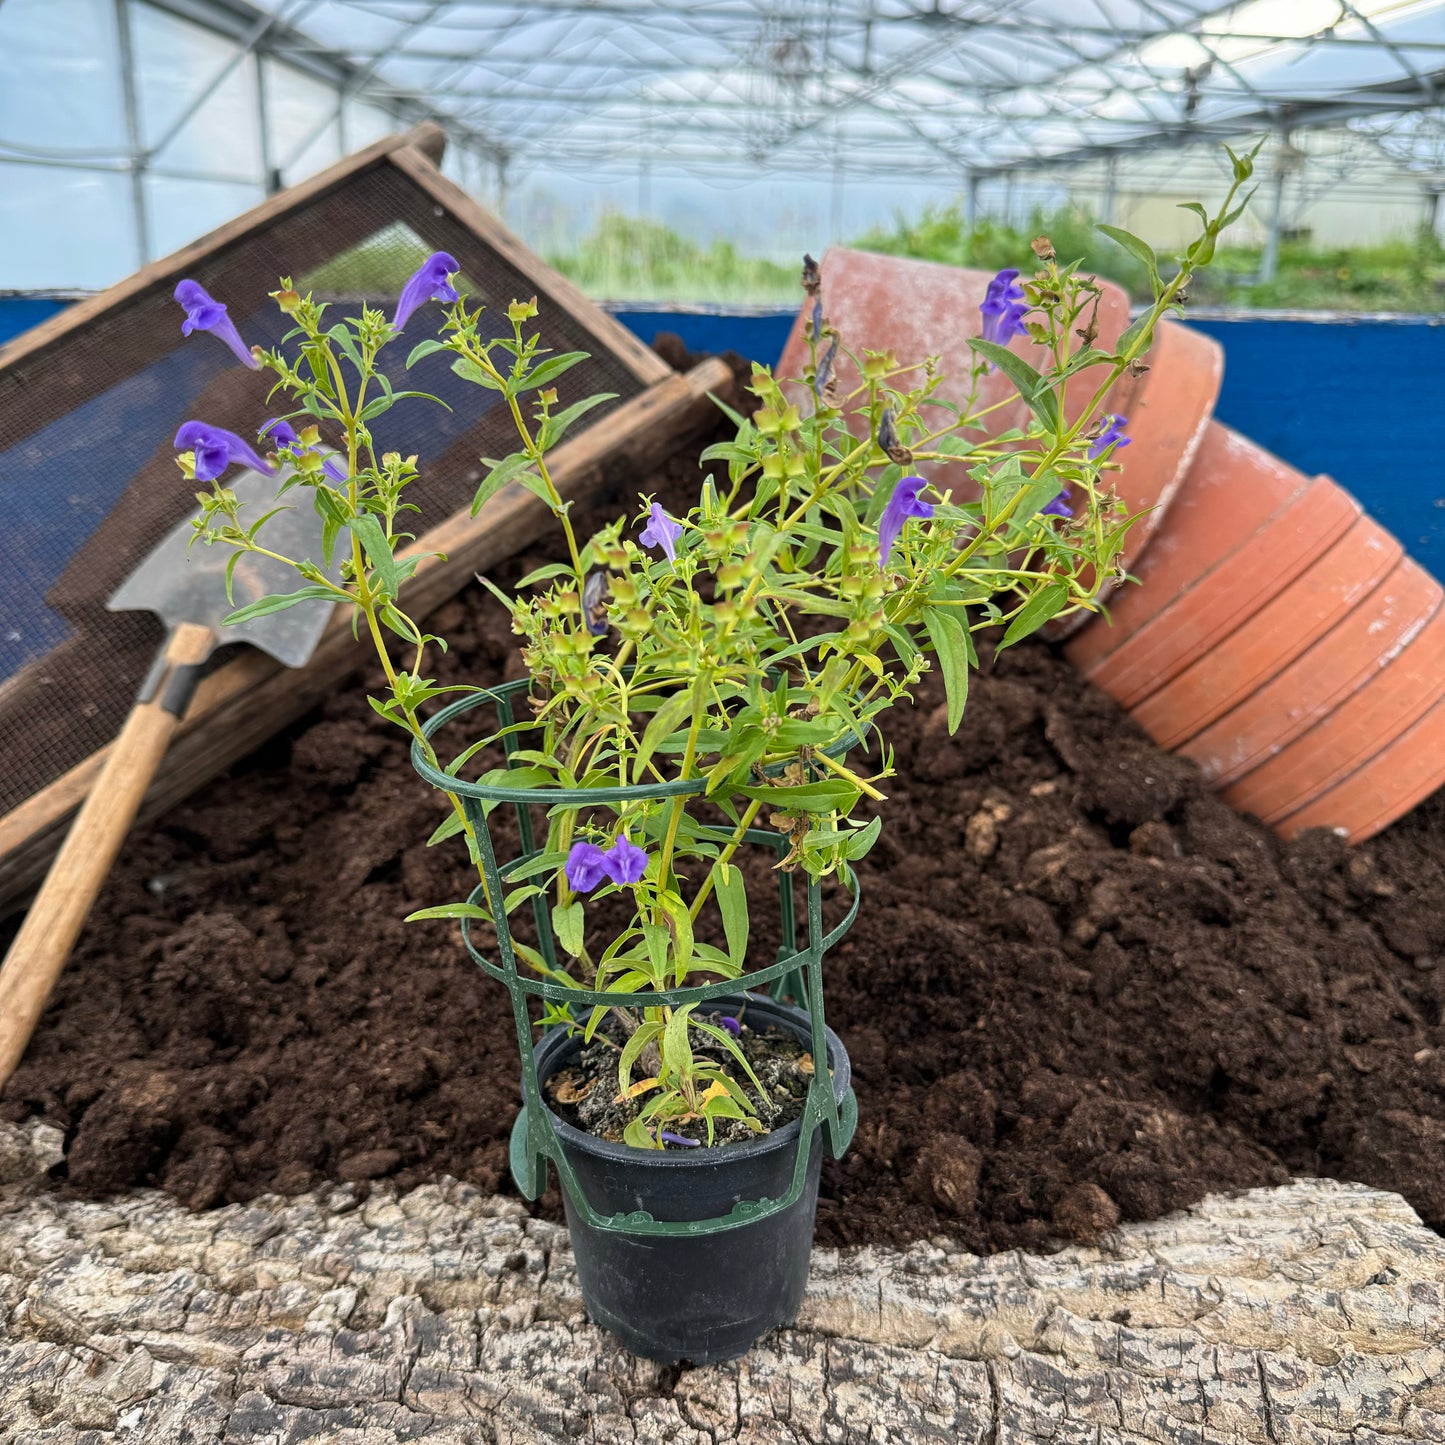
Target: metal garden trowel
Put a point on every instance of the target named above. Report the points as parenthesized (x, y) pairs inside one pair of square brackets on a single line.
[(186, 589)]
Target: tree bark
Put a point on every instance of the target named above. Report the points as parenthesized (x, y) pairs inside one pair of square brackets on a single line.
[(1306, 1315)]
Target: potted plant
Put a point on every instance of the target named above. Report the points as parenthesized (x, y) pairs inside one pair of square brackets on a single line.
[(703, 688)]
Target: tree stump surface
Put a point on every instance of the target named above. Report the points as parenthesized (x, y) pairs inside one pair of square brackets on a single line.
[(1309, 1313)]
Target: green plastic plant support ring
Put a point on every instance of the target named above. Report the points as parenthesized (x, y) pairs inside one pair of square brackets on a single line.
[(534, 1139)]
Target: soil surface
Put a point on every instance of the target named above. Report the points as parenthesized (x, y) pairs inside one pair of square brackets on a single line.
[(585, 1093), (1080, 988)]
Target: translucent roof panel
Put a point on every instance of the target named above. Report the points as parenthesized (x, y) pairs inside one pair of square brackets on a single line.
[(874, 87)]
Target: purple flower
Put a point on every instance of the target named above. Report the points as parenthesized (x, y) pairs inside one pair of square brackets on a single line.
[(661, 531), (205, 313), (215, 450), (585, 867), (1059, 507), (286, 440), (1111, 436), (903, 504), (1003, 308), (731, 1025), (429, 283), (668, 1137), (624, 861)]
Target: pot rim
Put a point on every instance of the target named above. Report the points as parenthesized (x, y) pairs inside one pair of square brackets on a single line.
[(704, 1155)]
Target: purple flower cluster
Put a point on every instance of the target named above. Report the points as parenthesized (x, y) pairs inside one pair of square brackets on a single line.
[(587, 864), (1111, 436), (215, 449), (661, 531), (283, 435), (903, 504), (1003, 308)]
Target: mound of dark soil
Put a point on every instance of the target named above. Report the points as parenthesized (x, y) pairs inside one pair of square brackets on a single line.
[(1080, 988)]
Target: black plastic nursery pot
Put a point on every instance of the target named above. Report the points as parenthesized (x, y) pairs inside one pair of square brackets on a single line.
[(708, 1296), (684, 1255)]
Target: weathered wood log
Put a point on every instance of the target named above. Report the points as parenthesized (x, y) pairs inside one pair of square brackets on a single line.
[(1307, 1315)]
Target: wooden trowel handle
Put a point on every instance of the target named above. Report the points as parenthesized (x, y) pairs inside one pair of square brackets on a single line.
[(59, 911)]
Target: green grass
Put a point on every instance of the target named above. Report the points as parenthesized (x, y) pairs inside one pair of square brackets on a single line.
[(1401, 275), (626, 258)]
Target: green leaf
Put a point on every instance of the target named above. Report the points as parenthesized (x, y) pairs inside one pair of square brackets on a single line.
[(501, 473), (1041, 401), (550, 370), (1141, 251), (1140, 330), (368, 531), (450, 910), (731, 1045), (542, 863), (946, 633), (639, 1136), (954, 446), (658, 939), (557, 424), (568, 923), (546, 573), (676, 910), (423, 348), (340, 336), (470, 371), (1041, 606), (861, 843), (826, 796), (449, 827), (676, 1050), (643, 1035), (665, 721), (732, 902), (277, 602)]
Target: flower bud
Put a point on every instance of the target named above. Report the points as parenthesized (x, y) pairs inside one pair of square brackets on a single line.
[(520, 311)]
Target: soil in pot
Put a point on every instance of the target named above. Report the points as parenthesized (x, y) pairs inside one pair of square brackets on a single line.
[(584, 1092), (1080, 987)]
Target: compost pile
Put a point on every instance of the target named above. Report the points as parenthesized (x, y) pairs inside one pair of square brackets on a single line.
[(1080, 989)]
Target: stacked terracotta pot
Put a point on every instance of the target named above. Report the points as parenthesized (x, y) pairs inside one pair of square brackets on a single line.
[(1278, 636)]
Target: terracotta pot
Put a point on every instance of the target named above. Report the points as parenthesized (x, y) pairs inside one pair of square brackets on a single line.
[(1277, 635), (1364, 724), (917, 309), (1257, 733), (1383, 788), (1234, 488), (1295, 618), (1188, 625)]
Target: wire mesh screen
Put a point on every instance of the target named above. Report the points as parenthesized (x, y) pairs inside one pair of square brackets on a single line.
[(88, 481)]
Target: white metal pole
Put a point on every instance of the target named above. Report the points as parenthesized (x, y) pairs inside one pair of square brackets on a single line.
[(135, 144)]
